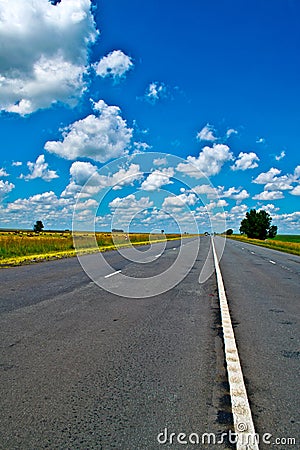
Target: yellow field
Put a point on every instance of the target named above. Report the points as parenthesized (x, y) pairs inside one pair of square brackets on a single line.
[(17, 247), (276, 244)]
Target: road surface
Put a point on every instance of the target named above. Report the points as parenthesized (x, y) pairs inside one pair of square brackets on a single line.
[(82, 368)]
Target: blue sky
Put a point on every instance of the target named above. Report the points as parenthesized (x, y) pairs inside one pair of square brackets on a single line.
[(215, 85)]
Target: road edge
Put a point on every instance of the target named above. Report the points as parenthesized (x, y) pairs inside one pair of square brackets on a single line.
[(245, 436)]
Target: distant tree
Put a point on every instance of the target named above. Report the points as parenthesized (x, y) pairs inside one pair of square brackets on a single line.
[(229, 232), (162, 231), (257, 225), (38, 226)]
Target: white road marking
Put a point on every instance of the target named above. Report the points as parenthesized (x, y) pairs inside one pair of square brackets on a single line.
[(242, 417), (253, 253), (174, 248), (272, 262), (111, 274), (157, 256)]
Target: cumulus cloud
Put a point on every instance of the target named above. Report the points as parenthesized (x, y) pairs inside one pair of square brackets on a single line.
[(269, 195), (100, 136), (160, 162), (39, 169), (179, 201), (130, 203), (3, 173), (296, 190), (5, 187), (209, 162), (230, 132), (44, 53), (281, 184), (207, 133), (140, 147), (205, 189), (281, 156), (245, 161), (114, 65), (81, 172), (267, 177), (155, 92), (157, 179)]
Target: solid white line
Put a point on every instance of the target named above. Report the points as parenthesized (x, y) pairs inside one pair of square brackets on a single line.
[(242, 417), (272, 262), (157, 256), (111, 274)]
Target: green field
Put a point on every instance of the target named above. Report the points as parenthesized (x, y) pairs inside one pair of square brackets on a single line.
[(17, 247), (289, 243), (287, 238)]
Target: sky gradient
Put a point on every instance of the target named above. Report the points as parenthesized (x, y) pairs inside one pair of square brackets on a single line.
[(214, 85)]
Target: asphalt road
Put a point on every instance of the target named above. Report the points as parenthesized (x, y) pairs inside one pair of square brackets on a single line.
[(262, 288), (82, 368)]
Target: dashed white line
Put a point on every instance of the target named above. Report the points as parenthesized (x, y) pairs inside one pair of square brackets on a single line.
[(242, 417), (112, 274), (272, 262)]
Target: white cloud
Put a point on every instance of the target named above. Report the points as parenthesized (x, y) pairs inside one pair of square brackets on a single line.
[(5, 187), (260, 140), (155, 92), (281, 156), (242, 195), (270, 208), (39, 169), (234, 193), (157, 179), (115, 65), (269, 195), (267, 177), (297, 172), (274, 183), (100, 137), (207, 133), (44, 53), (17, 163), (81, 172), (130, 204), (245, 161), (280, 184), (230, 132), (3, 173), (140, 147), (160, 162), (179, 201), (239, 210), (205, 189), (296, 190), (209, 162)]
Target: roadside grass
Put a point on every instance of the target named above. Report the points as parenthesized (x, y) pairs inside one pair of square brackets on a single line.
[(19, 247), (283, 242)]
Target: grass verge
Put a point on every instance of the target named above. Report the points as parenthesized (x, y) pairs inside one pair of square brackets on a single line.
[(283, 243), (21, 247)]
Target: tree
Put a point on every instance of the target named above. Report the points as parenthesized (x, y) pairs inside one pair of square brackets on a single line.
[(257, 225), (229, 232), (38, 226)]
